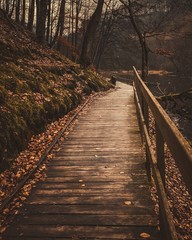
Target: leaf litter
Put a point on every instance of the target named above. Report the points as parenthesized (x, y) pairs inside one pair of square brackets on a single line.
[(179, 199)]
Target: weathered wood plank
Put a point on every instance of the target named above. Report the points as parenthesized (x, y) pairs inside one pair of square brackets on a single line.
[(84, 232), (88, 220), (132, 178), (133, 192), (93, 185), (107, 199), (94, 209)]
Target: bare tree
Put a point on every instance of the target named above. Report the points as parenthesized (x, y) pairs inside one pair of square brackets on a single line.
[(60, 24), (31, 12), (85, 58), (23, 17), (41, 19), (141, 37), (78, 7), (17, 10), (147, 19), (105, 31)]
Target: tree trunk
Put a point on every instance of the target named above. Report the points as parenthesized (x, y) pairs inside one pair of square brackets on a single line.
[(143, 44), (7, 6), (85, 58), (104, 35), (78, 8), (31, 15), (12, 8), (17, 9), (72, 22), (23, 12), (48, 22), (62, 18), (60, 24), (41, 19), (142, 40)]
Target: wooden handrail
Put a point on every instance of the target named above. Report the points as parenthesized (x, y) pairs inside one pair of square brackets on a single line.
[(179, 147), (166, 131)]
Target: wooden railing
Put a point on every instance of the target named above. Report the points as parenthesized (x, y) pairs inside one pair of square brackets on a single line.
[(166, 132)]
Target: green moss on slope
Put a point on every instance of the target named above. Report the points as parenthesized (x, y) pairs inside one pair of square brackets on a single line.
[(37, 85)]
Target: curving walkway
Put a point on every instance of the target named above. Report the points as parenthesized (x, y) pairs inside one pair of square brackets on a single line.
[(96, 186)]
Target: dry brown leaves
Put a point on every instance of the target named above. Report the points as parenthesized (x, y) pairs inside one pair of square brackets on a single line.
[(24, 164), (179, 199)]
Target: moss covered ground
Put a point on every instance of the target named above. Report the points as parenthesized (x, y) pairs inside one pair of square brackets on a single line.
[(37, 86)]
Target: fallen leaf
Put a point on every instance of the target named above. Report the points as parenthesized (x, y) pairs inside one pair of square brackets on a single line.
[(2, 229), (23, 198), (18, 175), (16, 212), (6, 210), (145, 235), (128, 203)]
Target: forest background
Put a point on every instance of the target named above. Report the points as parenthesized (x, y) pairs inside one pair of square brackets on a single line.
[(162, 32)]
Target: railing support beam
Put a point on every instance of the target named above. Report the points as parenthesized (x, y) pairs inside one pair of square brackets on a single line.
[(160, 153)]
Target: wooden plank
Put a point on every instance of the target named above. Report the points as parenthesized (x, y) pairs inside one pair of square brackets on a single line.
[(95, 162), (84, 232), (82, 174), (81, 191), (101, 158), (94, 209), (91, 200), (100, 148), (91, 185), (100, 167), (88, 220), (97, 153), (86, 143), (73, 179)]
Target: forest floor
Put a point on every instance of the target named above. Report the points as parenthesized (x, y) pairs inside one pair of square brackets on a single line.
[(179, 199)]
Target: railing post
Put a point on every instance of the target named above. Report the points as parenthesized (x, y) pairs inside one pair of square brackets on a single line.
[(138, 100), (161, 166), (145, 111), (160, 153), (146, 117)]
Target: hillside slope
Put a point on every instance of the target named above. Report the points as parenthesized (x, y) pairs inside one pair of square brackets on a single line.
[(37, 85)]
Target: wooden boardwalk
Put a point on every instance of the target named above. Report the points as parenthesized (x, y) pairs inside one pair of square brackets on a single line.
[(96, 186)]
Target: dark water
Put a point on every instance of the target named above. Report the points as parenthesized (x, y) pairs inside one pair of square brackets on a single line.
[(168, 83), (179, 109)]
